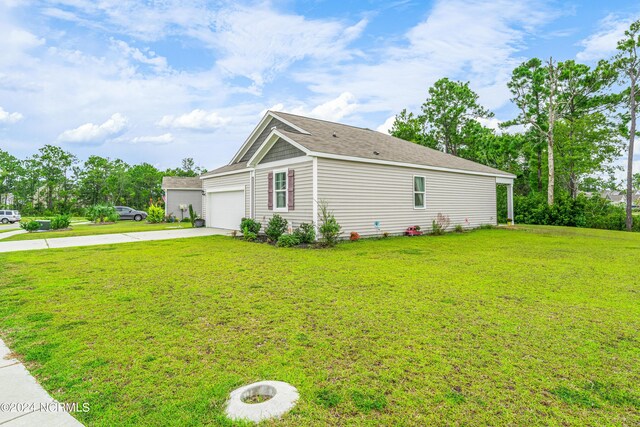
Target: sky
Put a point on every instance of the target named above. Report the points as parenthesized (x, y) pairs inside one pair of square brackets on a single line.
[(158, 81)]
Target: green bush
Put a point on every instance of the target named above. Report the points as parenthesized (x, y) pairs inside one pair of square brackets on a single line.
[(306, 233), (249, 236), (30, 226), (155, 214), (329, 227), (288, 241), (250, 224), (276, 227), (101, 212), (60, 221), (458, 228), (589, 212)]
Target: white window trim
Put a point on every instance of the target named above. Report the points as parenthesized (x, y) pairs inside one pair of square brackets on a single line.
[(286, 190), (414, 192)]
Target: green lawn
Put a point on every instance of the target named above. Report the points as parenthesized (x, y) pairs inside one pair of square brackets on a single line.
[(91, 229), (535, 326)]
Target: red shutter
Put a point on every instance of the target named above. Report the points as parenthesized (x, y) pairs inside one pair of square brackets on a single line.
[(291, 189), (270, 191)]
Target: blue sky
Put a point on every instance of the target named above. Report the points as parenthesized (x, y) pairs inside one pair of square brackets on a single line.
[(160, 81)]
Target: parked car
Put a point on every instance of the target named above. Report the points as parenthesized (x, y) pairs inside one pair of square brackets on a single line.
[(7, 217), (126, 212)]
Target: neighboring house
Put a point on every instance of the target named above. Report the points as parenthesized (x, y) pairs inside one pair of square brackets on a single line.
[(615, 197), (372, 182), (179, 193)]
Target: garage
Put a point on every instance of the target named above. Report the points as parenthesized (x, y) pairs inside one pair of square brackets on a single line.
[(225, 208)]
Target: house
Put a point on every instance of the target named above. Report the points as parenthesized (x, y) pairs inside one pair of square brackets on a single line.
[(372, 182), (179, 193)]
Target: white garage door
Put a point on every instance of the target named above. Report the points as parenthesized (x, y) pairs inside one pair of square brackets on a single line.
[(225, 209)]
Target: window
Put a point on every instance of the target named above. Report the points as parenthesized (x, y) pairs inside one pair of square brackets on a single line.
[(280, 189), (419, 192)]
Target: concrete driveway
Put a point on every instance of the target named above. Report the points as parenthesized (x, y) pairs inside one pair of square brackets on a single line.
[(108, 239)]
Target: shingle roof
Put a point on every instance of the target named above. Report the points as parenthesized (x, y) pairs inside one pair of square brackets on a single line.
[(175, 182), (364, 143), (351, 141)]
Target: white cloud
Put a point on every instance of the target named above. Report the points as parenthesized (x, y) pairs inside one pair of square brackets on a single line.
[(604, 41), (387, 125), (148, 57), (165, 138), (197, 120), (92, 133), (470, 40), (337, 108), (258, 42), (7, 117)]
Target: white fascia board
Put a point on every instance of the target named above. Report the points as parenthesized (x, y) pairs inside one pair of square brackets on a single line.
[(245, 170), (502, 180), (285, 162), (268, 143), (405, 165), (288, 123), (226, 189)]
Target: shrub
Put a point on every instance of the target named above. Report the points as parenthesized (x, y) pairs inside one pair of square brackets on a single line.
[(60, 221), (440, 224), (155, 214), (250, 224), (249, 236), (185, 220), (101, 212), (193, 216), (30, 226), (288, 241), (354, 236), (385, 234), (487, 227), (458, 228), (329, 228), (306, 233), (276, 228)]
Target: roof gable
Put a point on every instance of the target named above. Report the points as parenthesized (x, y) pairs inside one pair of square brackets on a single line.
[(281, 150)]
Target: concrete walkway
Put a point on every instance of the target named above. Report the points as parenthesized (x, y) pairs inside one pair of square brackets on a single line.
[(8, 234), (107, 239), (23, 402)]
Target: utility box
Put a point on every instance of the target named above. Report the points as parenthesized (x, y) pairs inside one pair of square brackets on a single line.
[(44, 224)]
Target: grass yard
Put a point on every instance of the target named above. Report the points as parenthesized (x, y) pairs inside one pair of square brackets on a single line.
[(90, 229), (535, 326)]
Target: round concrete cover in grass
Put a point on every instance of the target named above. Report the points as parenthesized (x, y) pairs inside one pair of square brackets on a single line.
[(275, 398)]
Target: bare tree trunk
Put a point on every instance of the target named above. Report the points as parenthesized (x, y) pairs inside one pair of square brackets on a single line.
[(632, 136), (552, 175), (539, 170)]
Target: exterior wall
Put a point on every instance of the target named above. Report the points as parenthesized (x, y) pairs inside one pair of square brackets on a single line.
[(303, 209), (263, 135), (175, 198), (361, 193), (234, 180), (281, 150)]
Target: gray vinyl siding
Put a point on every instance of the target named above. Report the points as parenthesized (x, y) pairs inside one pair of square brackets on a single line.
[(361, 193), (175, 198), (234, 180), (281, 150), (263, 135), (303, 211)]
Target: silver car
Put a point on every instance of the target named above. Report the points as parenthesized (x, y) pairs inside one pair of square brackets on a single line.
[(126, 212), (7, 217)]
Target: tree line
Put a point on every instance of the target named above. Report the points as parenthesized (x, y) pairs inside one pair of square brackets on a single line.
[(573, 121), (55, 181)]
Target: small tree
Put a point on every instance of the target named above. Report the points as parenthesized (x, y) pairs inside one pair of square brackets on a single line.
[(329, 227), (193, 215)]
